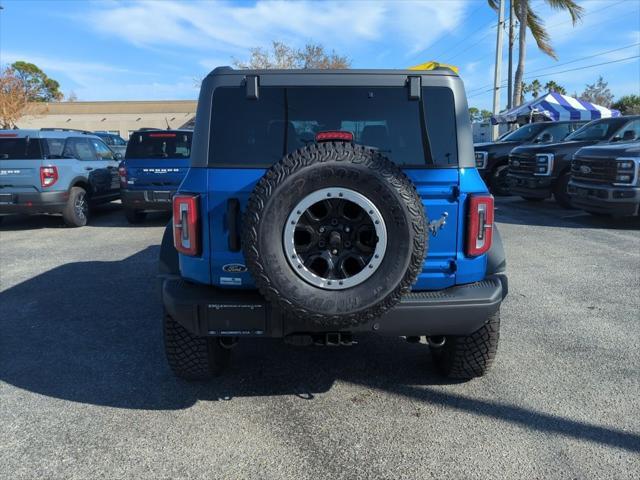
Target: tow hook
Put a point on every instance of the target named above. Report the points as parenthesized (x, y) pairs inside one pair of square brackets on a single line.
[(329, 339), (334, 339), (228, 342), (437, 341)]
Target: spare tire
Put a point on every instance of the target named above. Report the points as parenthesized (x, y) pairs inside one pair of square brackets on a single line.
[(334, 233)]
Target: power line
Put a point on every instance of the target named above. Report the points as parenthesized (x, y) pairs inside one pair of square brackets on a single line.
[(568, 70), (562, 23), (472, 45), (482, 5), (530, 74)]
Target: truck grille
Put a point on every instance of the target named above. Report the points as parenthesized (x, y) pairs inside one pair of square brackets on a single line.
[(594, 169), (522, 164)]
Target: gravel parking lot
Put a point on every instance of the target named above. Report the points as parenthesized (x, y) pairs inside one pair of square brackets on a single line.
[(85, 391)]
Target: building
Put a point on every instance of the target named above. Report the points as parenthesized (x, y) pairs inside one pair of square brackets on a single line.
[(117, 117)]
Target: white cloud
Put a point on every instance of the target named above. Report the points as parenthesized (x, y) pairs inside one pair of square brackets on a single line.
[(229, 29), (101, 81)]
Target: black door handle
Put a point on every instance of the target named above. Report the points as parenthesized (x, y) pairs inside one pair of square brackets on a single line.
[(233, 224), (88, 168)]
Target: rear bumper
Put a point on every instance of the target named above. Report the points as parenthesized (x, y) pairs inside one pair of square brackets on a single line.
[(607, 199), (209, 311), (536, 187), (33, 202), (147, 199)]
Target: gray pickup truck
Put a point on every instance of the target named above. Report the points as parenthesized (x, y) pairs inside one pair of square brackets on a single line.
[(56, 171)]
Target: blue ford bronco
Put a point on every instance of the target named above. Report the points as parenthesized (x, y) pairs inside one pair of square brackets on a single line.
[(323, 205), (155, 163), (56, 171)]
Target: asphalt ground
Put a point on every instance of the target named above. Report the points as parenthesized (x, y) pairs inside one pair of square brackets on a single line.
[(85, 391)]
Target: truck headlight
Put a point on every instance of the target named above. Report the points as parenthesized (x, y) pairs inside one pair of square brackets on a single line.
[(481, 160), (626, 171), (544, 164)]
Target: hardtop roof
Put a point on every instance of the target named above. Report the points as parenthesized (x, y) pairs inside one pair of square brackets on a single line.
[(47, 133), (439, 71)]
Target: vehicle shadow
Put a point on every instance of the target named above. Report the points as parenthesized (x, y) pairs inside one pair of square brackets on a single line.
[(514, 210), (90, 332), (105, 215)]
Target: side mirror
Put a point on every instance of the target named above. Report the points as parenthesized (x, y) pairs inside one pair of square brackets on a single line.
[(546, 138), (628, 135)]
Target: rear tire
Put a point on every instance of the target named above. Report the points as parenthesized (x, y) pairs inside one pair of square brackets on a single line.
[(377, 188), (498, 181), (533, 199), (469, 356), (134, 216), (599, 214), (192, 357), (560, 192), (76, 212)]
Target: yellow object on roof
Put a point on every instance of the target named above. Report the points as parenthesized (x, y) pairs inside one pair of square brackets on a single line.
[(434, 65)]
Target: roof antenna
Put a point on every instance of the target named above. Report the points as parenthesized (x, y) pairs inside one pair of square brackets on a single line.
[(168, 126)]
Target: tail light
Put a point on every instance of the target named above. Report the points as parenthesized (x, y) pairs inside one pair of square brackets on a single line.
[(334, 135), (48, 176), (479, 225), (186, 222)]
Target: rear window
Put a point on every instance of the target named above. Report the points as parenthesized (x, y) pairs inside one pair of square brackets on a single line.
[(524, 133), (159, 145), (258, 133), (14, 148), (596, 131)]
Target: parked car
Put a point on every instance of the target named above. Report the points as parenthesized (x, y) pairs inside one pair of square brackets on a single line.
[(492, 158), (322, 205), (538, 171), (605, 180), (154, 166), (56, 171), (115, 142)]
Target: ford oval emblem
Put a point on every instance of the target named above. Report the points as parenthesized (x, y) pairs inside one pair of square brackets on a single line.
[(585, 169), (515, 163), (234, 268)]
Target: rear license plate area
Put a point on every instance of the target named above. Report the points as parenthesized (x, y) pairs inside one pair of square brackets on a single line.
[(236, 319), (158, 196), (6, 198), (162, 196)]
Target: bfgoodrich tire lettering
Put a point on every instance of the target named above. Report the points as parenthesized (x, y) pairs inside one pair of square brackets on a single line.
[(348, 166)]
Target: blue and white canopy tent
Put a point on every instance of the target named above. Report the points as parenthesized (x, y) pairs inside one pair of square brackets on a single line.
[(554, 107)]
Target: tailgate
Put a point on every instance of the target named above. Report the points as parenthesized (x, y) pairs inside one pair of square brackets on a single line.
[(154, 173), (20, 175)]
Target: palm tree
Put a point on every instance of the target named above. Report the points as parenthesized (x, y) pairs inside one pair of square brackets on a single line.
[(530, 20), (535, 87), (552, 86)]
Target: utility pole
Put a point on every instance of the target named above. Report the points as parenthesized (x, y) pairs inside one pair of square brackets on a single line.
[(498, 68), (512, 39)]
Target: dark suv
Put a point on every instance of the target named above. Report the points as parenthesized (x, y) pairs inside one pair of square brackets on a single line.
[(605, 180), (538, 171), (325, 204), (492, 158)]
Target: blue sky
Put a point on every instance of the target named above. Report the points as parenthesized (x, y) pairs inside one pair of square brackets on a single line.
[(158, 49)]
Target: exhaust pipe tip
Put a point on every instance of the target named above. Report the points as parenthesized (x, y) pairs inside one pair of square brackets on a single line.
[(437, 341)]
